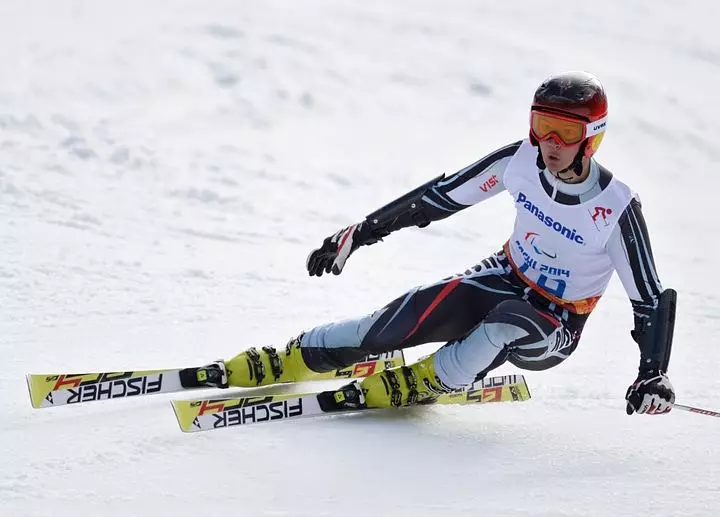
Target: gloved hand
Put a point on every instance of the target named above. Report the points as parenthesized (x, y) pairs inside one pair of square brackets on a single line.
[(336, 249), (651, 393)]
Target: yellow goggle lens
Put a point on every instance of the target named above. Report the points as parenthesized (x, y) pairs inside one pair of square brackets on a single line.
[(569, 131)]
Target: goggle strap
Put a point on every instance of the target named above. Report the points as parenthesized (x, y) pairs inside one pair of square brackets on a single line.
[(595, 128)]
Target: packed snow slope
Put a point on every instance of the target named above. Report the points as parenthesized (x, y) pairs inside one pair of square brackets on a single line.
[(166, 166)]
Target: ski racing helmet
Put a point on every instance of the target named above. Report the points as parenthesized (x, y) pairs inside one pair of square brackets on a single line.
[(570, 107)]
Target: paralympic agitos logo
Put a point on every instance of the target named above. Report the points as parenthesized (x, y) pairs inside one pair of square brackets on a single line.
[(557, 226)]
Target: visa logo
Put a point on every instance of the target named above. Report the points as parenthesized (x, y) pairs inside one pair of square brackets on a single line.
[(489, 183)]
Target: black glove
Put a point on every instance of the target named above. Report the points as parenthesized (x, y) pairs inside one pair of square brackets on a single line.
[(335, 250), (651, 393)]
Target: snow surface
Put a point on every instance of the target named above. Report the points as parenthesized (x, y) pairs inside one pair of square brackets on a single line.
[(166, 166)]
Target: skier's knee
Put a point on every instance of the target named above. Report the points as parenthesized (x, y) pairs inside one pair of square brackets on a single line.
[(500, 327), (544, 354), (533, 363), (500, 313)]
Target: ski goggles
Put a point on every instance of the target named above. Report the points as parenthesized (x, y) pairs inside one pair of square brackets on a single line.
[(566, 130)]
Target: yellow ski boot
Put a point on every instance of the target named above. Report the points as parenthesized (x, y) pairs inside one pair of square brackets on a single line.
[(266, 366), (404, 385)]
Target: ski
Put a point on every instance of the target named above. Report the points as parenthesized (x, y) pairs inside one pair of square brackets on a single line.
[(60, 389), (208, 414)]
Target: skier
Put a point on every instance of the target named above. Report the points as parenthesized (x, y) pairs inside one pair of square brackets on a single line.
[(527, 303)]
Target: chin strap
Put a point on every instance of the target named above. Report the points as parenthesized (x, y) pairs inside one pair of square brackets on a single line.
[(576, 165)]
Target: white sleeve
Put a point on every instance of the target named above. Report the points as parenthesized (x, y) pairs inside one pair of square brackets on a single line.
[(476, 182), (442, 197)]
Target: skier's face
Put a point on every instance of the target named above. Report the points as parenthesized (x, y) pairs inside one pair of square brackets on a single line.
[(558, 156)]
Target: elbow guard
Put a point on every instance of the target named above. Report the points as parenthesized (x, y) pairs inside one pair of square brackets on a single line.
[(654, 335), (401, 213)]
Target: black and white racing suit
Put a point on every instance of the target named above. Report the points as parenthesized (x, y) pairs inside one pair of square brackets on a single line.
[(528, 302)]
